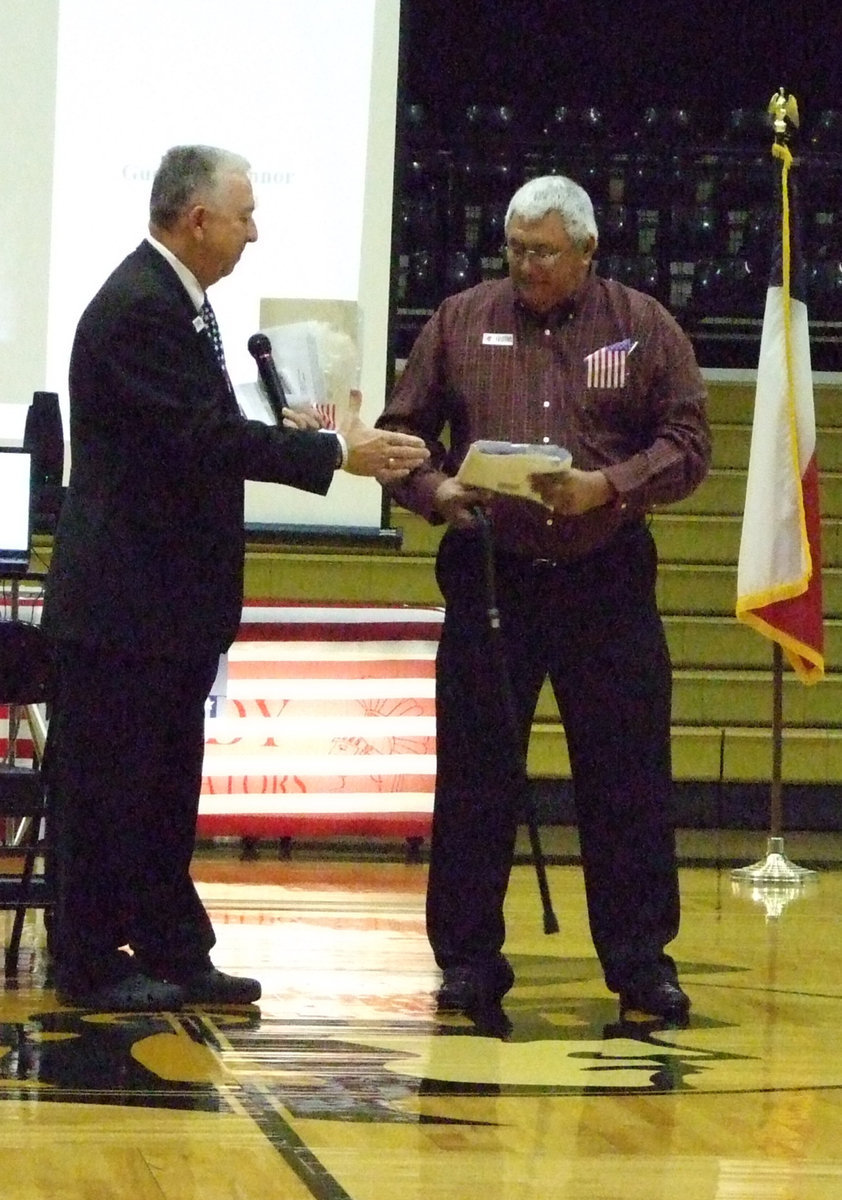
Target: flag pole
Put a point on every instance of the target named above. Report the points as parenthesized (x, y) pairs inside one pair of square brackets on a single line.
[(776, 789), (776, 869)]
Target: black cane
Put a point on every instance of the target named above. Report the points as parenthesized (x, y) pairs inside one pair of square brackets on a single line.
[(550, 919)]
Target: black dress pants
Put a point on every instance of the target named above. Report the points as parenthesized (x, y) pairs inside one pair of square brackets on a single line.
[(124, 769), (592, 627)]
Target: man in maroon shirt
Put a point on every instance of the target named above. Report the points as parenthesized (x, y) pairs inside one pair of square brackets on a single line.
[(554, 355)]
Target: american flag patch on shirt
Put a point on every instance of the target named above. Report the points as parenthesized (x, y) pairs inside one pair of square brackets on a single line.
[(607, 366)]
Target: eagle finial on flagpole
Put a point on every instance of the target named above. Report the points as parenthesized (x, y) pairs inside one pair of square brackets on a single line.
[(783, 108)]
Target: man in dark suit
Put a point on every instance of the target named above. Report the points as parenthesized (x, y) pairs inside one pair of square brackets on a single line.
[(145, 590)]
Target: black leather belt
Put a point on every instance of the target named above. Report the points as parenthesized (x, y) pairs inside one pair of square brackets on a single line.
[(522, 562), (623, 537)]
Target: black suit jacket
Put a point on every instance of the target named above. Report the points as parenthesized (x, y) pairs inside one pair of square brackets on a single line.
[(148, 554)]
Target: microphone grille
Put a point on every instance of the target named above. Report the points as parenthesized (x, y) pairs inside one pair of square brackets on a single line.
[(259, 343)]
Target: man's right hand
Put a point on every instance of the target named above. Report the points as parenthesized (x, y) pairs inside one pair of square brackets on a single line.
[(457, 504), (387, 455)]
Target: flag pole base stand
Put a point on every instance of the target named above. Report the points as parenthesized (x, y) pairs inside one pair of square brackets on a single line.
[(775, 869), (773, 899)]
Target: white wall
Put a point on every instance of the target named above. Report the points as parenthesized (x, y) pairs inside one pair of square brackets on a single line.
[(27, 105)]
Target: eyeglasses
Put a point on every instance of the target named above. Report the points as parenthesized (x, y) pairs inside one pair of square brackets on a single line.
[(545, 256)]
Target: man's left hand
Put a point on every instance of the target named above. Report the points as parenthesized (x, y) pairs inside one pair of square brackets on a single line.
[(301, 418), (573, 492)]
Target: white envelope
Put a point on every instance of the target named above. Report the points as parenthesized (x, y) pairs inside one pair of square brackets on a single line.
[(506, 466)]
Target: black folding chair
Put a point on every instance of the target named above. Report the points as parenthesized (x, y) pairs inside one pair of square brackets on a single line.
[(25, 686)]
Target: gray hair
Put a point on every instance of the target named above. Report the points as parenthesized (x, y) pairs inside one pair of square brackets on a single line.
[(185, 173), (556, 193)]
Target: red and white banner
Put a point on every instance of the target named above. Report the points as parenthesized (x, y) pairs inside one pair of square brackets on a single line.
[(324, 722)]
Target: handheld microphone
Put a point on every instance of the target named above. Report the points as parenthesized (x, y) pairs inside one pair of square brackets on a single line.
[(260, 348)]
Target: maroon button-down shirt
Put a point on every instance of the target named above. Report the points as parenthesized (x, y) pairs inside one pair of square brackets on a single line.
[(610, 377)]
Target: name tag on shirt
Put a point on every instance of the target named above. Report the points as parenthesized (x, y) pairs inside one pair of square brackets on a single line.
[(498, 339)]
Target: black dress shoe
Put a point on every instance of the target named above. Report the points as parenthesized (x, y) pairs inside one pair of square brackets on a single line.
[(135, 993), (215, 987), (658, 999), (475, 987)]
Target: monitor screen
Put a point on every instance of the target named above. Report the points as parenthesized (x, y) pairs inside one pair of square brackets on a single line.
[(15, 510)]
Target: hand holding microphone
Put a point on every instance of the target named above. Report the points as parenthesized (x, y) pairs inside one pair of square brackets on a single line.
[(260, 348), (302, 418), (461, 507), (381, 453)]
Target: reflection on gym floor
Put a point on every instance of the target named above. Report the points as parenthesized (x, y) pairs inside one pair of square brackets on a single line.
[(344, 1082)]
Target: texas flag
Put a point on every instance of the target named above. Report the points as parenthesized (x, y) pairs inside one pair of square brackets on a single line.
[(779, 589)]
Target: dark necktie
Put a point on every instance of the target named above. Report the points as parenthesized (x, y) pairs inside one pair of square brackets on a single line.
[(209, 318)]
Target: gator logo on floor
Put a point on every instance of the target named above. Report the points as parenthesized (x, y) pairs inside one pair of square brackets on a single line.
[(368, 1071)]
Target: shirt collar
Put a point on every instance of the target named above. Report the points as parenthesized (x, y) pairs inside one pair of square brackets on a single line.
[(558, 316), (552, 319), (194, 289)]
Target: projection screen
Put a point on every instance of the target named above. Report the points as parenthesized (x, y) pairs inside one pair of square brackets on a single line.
[(305, 89)]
